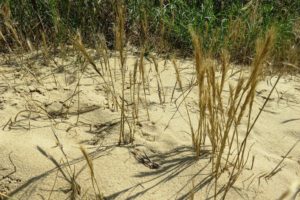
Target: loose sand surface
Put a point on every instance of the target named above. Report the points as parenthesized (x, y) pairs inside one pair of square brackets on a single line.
[(29, 90)]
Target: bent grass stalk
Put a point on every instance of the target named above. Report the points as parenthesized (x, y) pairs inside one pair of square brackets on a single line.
[(94, 181)]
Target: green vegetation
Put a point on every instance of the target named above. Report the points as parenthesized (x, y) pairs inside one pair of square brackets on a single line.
[(231, 25)]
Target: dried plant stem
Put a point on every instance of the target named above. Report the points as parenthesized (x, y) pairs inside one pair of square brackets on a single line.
[(142, 73), (160, 87), (119, 35), (184, 100)]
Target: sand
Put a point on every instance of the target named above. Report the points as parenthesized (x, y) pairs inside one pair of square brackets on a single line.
[(26, 83)]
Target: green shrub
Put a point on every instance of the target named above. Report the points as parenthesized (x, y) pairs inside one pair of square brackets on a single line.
[(233, 25)]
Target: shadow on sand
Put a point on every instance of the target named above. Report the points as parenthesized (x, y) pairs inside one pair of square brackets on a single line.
[(29, 187), (172, 164)]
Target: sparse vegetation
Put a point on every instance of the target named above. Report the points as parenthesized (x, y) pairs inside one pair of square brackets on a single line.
[(107, 34)]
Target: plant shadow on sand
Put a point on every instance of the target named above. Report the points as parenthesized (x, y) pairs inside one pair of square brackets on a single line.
[(29, 187), (172, 164)]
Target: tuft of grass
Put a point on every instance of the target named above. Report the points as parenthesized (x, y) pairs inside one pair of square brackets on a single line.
[(219, 121)]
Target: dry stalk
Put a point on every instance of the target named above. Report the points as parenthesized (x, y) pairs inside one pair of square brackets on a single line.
[(263, 48), (95, 185), (142, 75), (184, 98), (199, 138), (77, 43), (160, 88), (217, 121), (120, 35)]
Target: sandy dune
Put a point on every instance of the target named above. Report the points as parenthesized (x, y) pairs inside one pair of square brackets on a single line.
[(25, 173)]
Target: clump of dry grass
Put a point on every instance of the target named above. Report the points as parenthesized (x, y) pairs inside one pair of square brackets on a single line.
[(103, 52), (118, 95), (218, 122)]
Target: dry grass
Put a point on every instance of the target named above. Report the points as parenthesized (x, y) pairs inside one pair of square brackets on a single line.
[(220, 122), (94, 181), (217, 129), (69, 174)]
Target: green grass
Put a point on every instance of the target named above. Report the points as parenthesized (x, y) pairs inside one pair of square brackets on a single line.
[(233, 25)]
